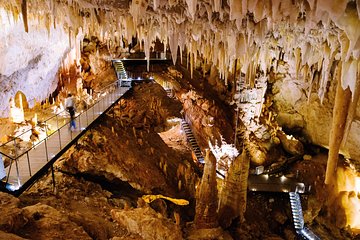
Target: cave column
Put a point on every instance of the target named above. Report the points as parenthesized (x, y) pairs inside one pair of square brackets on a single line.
[(233, 195), (207, 200), (340, 112)]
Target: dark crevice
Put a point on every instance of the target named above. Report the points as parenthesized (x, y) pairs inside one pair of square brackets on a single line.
[(116, 187)]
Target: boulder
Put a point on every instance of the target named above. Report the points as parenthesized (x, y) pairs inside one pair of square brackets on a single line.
[(12, 218), (147, 223)]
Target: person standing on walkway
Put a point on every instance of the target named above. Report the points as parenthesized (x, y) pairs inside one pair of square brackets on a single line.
[(70, 107)]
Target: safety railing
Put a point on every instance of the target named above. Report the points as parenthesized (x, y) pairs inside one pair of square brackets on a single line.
[(25, 161)]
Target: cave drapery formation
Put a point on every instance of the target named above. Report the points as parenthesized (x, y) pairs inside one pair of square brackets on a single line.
[(244, 40)]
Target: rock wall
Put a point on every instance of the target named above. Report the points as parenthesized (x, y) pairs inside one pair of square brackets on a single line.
[(29, 61), (298, 107)]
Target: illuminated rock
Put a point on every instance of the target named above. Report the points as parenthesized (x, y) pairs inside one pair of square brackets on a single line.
[(16, 113), (206, 200), (147, 223), (233, 195)]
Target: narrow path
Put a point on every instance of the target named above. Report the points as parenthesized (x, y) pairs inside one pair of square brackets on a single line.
[(26, 167)]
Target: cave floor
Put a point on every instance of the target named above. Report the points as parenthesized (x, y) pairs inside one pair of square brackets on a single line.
[(142, 151)]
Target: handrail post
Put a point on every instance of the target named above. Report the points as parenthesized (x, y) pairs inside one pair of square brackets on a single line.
[(28, 160), (46, 150), (16, 163), (58, 130), (79, 127), (87, 120), (93, 108), (53, 177)]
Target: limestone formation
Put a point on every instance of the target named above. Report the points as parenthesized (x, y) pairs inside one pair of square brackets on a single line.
[(340, 112), (207, 196), (232, 199), (292, 61)]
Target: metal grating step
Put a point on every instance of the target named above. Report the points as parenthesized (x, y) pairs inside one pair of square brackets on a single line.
[(298, 218)]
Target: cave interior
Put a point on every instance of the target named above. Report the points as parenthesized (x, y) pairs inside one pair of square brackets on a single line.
[(195, 119)]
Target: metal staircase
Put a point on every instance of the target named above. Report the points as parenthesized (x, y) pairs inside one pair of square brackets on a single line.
[(191, 139), (119, 69), (121, 74), (296, 209)]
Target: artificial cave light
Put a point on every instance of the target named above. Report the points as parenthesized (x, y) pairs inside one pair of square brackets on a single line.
[(348, 187)]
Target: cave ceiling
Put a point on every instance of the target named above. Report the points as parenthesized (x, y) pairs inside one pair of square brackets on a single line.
[(313, 35), (219, 31)]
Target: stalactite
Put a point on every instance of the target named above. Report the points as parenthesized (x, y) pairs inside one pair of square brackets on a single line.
[(147, 52), (325, 67), (235, 9), (348, 75), (207, 199), (24, 15), (191, 7), (352, 107), (69, 35), (217, 5), (340, 112), (173, 44), (232, 199), (191, 64)]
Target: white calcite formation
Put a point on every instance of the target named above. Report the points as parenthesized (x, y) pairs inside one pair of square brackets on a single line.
[(29, 61), (313, 33), (316, 38)]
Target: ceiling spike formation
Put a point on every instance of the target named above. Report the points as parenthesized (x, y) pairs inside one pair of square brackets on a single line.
[(314, 34)]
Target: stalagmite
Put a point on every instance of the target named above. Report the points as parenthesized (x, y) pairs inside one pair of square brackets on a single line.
[(340, 112), (207, 199), (232, 199)]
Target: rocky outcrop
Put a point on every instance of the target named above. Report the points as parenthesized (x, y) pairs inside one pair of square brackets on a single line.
[(147, 223), (128, 149), (12, 216), (10, 236), (45, 222)]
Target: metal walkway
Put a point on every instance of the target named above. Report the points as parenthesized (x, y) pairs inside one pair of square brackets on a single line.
[(266, 183), (301, 230), (191, 139), (26, 166)]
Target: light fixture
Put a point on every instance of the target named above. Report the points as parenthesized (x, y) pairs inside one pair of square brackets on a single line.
[(12, 187)]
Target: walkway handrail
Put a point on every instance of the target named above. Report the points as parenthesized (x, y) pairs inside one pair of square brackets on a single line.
[(13, 159), (45, 122)]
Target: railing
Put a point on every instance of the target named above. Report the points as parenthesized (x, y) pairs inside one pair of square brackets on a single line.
[(25, 162)]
